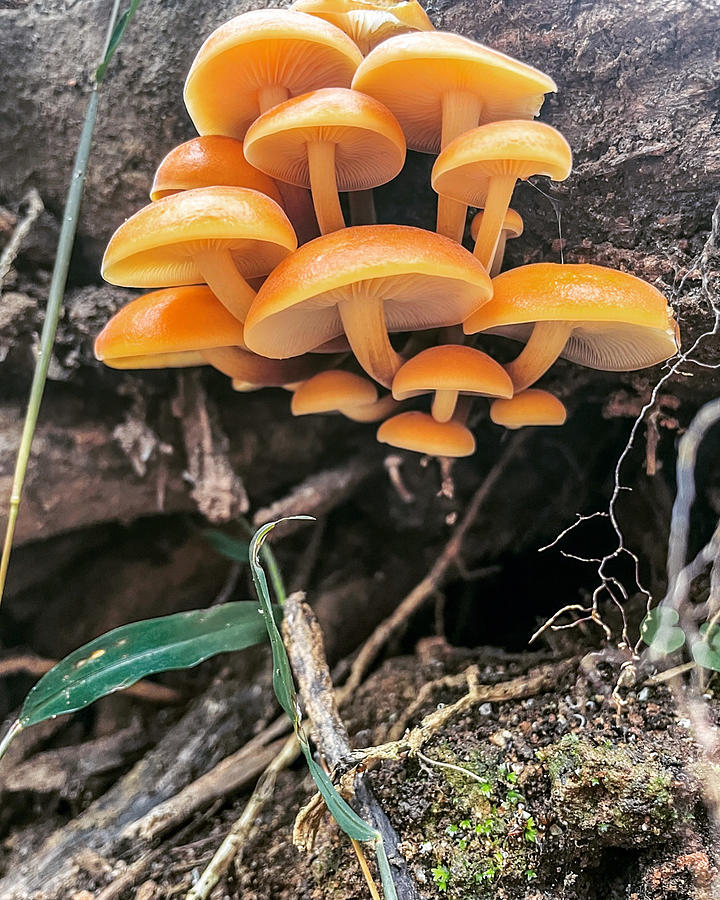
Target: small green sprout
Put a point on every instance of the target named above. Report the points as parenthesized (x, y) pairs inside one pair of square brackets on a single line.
[(441, 877)]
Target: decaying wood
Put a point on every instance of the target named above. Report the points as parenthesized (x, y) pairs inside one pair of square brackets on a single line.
[(212, 726), (304, 643)]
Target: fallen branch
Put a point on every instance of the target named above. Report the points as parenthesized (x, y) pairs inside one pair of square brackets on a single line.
[(304, 643), (435, 577)]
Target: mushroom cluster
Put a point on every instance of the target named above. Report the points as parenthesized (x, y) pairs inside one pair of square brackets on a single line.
[(294, 107)]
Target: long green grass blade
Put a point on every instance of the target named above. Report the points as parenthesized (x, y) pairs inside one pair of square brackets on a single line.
[(57, 287), (344, 815), (124, 655)]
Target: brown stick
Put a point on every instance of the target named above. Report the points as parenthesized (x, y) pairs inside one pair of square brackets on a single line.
[(432, 581), (304, 643)]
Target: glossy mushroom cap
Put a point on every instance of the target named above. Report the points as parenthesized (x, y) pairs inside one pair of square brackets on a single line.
[(618, 322), (513, 224), (369, 143), (332, 391), (412, 74), (464, 169), (168, 327), (450, 370), (365, 280), (154, 248), (530, 407), (368, 22), (208, 161), (218, 235), (259, 59), (420, 432)]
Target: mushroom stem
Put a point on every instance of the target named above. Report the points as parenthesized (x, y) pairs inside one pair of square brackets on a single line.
[(496, 206), (363, 319), (253, 369), (544, 347), (460, 113), (362, 208), (499, 254), (323, 184), (271, 95), (443, 405), (218, 269)]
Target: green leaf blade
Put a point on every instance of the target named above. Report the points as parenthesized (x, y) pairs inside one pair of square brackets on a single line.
[(124, 655), (660, 631)]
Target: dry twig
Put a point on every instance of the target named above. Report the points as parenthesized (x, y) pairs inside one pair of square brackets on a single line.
[(12, 248), (304, 643)]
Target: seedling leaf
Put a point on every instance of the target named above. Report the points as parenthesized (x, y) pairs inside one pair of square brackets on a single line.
[(124, 655), (660, 631)]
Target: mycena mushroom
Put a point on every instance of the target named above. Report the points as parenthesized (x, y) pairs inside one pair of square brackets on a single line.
[(328, 140), (530, 407), (218, 235), (209, 161), (447, 371), (597, 317), (365, 281), (369, 22), (482, 167), (188, 326), (512, 227), (420, 432)]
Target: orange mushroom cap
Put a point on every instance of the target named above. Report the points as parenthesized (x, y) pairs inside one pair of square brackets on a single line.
[(413, 73), (420, 432), (590, 315), (331, 391), (260, 58), (218, 235), (369, 143), (451, 367), (154, 248), (530, 407), (517, 148), (513, 224), (208, 161), (368, 22), (372, 412), (619, 322), (177, 320), (365, 280)]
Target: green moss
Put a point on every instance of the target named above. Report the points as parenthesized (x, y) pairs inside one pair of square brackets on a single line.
[(614, 791)]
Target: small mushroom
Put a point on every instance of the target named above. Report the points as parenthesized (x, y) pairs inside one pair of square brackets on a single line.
[(448, 371), (206, 162), (512, 227), (530, 407), (365, 281), (597, 317), (372, 412), (332, 391), (420, 432), (482, 166), (369, 22), (188, 326), (328, 140), (217, 235)]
